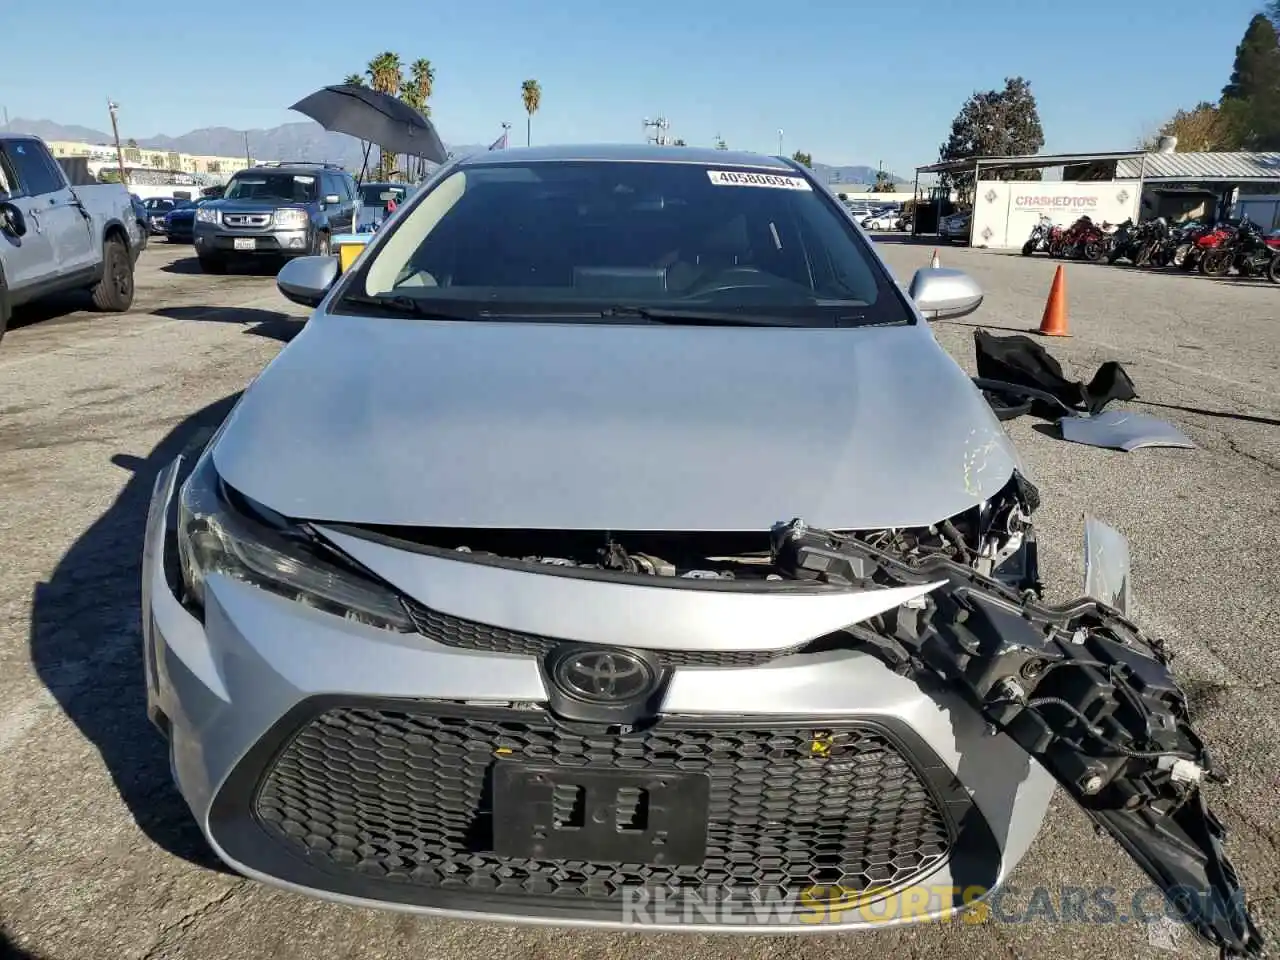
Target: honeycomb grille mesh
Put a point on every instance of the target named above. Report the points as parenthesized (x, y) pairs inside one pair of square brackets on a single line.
[(404, 797), (472, 635)]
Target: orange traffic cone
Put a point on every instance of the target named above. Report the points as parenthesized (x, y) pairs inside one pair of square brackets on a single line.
[(934, 263), (1054, 323)]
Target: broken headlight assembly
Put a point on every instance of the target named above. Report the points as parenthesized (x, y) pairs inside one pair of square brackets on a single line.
[(1078, 687), (220, 532)]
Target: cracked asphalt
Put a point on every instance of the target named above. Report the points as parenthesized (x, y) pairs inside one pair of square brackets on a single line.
[(99, 859)]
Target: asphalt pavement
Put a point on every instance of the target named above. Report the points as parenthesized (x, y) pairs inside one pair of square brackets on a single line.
[(98, 857)]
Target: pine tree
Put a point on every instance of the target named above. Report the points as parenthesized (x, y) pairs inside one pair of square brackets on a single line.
[(1251, 99), (995, 123)]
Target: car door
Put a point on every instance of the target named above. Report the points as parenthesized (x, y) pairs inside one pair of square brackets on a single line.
[(346, 210), (65, 224), (26, 259)]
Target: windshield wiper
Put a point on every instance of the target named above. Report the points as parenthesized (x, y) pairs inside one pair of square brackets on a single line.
[(403, 306), (719, 318)]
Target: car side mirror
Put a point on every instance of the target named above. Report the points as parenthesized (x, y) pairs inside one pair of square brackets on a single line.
[(306, 280), (11, 220), (332, 199), (942, 294)]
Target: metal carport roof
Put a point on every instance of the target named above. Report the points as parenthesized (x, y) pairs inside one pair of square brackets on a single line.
[(1026, 162), (1203, 167)]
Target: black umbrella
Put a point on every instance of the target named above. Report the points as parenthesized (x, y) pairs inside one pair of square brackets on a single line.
[(374, 117)]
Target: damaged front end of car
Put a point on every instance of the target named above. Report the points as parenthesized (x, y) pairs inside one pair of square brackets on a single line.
[(1078, 686)]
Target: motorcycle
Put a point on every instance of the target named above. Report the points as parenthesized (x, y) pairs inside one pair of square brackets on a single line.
[(1200, 241), (1042, 235), (1247, 250), (1124, 241), (1217, 246), (1076, 238)]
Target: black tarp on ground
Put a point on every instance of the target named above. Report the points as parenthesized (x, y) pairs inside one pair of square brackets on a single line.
[(1022, 362)]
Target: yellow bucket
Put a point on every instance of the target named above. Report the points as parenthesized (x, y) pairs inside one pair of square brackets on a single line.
[(349, 247)]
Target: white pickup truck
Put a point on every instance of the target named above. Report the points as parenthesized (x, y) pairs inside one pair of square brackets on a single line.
[(55, 237)]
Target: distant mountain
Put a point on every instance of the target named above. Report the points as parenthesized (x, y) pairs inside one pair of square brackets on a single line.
[(290, 141), (306, 140), (850, 175)]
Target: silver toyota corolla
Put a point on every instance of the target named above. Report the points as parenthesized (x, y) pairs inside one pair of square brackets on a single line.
[(616, 546)]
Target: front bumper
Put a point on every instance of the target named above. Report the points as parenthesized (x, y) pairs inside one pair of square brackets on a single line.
[(212, 239), (357, 765)]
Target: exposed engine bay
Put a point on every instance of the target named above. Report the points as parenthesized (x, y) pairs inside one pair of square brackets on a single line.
[(994, 538), (1078, 686)]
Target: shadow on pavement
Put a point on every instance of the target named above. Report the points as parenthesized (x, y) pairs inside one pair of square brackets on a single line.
[(52, 309), (1220, 414), (187, 266), (261, 323), (924, 240), (246, 266), (86, 646), (11, 951)]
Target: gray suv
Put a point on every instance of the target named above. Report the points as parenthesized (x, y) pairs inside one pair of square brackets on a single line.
[(276, 210)]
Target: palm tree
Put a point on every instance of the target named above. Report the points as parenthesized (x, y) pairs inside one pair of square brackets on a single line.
[(531, 93), (386, 75), (421, 78), (354, 79), (417, 91)]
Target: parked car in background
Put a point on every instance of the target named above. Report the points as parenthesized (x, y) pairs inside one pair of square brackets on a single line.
[(140, 219), (156, 208), (883, 220), (179, 223), (55, 237), (276, 210), (956, 227), (378, 200)]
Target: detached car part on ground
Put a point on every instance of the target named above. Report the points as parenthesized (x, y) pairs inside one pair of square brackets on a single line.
[(586, 651)]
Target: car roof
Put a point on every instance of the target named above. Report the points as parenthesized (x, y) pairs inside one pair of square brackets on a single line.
[(628, 152), (292, 168)]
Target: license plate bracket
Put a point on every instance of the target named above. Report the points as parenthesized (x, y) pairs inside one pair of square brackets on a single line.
[(246, 243), (550, 812)]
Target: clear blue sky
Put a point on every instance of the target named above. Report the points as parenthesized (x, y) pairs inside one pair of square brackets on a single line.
[(849, 82)]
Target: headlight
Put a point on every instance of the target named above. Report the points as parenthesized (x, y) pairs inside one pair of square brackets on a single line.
[(215, 536), (291, 218), (206, 215)]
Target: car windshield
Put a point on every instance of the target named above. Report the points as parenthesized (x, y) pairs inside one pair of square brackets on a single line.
[(574, 239), (160, 204), (377, 194), (290, 187)]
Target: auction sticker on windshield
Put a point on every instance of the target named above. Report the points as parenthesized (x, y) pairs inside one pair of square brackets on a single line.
[(738, 178)]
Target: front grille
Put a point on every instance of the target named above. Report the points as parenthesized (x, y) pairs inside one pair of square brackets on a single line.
[(401, 798), (473, 635), (246, 219)]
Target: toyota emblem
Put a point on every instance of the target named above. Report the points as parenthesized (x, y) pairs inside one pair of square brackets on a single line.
[(603, 676)]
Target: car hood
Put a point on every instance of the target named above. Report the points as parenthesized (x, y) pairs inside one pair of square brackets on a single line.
[(252, 206), (612, 427)]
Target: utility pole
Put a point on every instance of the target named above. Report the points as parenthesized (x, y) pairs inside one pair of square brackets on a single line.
[(247, 159), (6, 119), (779, 143), (112, 107), (660, 127)]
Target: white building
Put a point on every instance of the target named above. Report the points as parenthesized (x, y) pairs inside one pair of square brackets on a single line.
[(1113, 187)]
